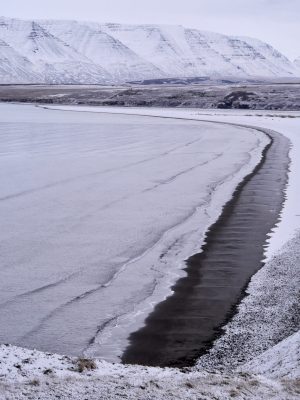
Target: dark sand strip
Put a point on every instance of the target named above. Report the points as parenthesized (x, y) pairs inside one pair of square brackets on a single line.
[(184, 326)]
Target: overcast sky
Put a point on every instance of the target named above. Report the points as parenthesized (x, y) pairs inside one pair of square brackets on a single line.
[(274, 21)]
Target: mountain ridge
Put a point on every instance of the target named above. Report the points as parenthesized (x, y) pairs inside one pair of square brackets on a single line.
[(80, 52)]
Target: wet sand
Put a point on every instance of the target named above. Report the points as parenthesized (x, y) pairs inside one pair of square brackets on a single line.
[(184, 326)]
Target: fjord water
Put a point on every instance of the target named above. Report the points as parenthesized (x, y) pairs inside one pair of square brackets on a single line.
[(96, 211)]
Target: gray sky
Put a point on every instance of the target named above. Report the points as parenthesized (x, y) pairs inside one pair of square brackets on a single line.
[(274, 21)]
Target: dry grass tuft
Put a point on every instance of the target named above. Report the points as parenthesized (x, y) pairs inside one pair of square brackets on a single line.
[(34, 382), (85, 364)]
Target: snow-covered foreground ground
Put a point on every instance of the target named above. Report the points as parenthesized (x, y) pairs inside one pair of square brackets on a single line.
[(271, 374), (27, 374)]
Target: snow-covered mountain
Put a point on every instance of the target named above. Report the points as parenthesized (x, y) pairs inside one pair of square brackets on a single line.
[(83, 52), (104, 50), (178, 51), (52, 60), (14, 67)]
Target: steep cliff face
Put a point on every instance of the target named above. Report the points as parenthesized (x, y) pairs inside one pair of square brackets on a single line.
[(83, 52)]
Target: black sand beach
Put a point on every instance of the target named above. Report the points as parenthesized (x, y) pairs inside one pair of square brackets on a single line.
[(183, 327)]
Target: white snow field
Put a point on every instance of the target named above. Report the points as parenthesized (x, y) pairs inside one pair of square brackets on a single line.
[(270, 374)]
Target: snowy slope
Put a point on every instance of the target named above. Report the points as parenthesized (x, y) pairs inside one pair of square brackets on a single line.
[(156, 43), (52, 58), (85, 52), (29, 374), (267, 57), (282, 360), (103, 50), (14, 68), (189, 52)]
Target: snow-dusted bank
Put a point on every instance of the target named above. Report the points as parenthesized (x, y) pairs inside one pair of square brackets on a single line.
[(271, 374), (27, 374)]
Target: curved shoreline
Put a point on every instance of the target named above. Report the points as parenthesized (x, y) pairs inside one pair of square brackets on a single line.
[(114, 338), (252, 166), (258, 314), (184, 326)]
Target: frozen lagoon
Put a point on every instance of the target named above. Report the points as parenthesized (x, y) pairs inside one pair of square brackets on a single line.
[(89, 203)]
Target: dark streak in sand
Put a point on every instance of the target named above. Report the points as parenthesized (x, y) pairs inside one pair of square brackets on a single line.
[(184, 326)]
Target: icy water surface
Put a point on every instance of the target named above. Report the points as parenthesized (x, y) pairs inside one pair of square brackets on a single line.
[(97, 214)]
